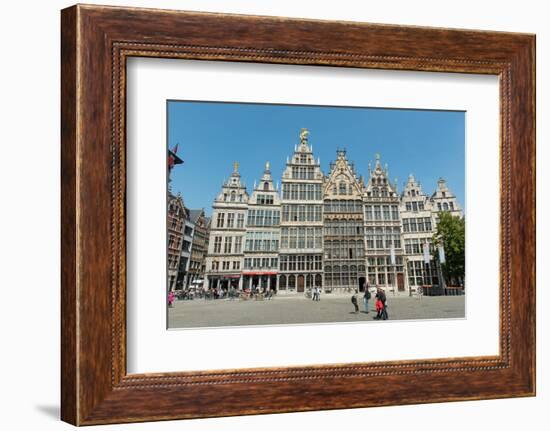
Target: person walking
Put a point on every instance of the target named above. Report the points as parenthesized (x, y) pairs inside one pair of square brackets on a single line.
[(381, 308), (171, 297), (366, 297), (379, 305), (384, 304), (354, 301)]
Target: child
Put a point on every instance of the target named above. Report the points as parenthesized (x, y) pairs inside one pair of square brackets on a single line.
[(354, 301)]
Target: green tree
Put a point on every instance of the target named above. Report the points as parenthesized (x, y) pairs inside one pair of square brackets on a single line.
[(451, 233)]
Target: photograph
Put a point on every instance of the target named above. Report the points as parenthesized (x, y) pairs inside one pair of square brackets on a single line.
[(280, 214)]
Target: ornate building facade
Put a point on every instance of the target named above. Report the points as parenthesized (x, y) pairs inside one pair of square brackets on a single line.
[(384, 255), (301, 247), (225, 258), (185, 256), (261, 247), (176, 216), (337, 231), (419, 218), (198, 247), (343, 227)]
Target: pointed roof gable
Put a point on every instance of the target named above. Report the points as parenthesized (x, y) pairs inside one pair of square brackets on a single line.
[(266, 180), (341, 171), (412, 187), (379, 183)]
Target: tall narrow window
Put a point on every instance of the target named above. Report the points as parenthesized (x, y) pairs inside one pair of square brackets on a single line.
[(230, 219), (240, 220), (238, 244), (227, 246), (221, 217), (217, 244), (342, 188)]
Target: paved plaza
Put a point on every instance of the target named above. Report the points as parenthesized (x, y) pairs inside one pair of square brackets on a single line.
[(298, 309)]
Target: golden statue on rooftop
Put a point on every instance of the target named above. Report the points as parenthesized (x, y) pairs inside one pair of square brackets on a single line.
[(236, 167), (304, 133)]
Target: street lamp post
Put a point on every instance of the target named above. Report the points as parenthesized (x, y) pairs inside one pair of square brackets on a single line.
[(441, 260), (426, 251), (393, 261)]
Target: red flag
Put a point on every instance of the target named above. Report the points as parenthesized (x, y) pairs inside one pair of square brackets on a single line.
[(173, 158)]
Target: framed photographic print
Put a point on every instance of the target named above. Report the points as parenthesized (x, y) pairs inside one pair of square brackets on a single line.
[(267, 215)]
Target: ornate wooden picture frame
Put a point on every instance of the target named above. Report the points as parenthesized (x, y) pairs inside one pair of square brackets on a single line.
[(96, 42)]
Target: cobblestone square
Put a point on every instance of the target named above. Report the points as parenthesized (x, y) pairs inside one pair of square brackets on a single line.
[(286, 310)]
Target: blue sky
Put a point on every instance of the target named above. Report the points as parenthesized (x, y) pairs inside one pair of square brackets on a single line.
[(213, 135)]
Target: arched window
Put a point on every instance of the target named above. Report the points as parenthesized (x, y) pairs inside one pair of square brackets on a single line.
[(282, 282), (291, 281), (266, 186), (445, 207), (318, 280), (233, 196), (309, 280)]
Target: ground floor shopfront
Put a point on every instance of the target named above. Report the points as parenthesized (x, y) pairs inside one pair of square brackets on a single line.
[(260, 280), (223, 281), (387, 273), (299, 282), (300, 273)]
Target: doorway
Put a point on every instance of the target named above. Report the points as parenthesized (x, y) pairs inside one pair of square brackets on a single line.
[(400, 282), (300, 283)]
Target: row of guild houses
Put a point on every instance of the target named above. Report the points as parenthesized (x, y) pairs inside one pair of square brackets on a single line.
[(187, 244), (336, 231)]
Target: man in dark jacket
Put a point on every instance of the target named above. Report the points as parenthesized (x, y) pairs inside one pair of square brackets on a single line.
[(366, 297)]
